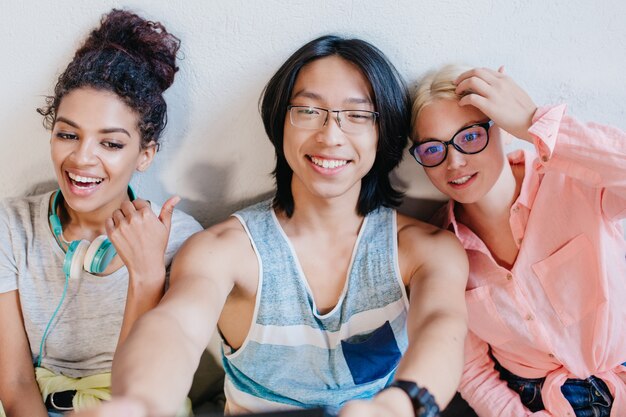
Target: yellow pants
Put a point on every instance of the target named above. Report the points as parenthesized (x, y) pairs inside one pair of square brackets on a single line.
[(90, 390)]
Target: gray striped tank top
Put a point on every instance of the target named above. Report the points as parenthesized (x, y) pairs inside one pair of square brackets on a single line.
[(295, 357)]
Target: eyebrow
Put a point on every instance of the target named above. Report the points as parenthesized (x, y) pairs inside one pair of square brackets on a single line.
[(468, 124), (107, 130), (315, 96)]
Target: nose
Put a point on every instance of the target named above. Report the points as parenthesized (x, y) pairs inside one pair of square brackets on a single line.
[(455, 159), (331, 132), (84, 152)]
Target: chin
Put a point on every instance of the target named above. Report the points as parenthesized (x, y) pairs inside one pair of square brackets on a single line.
[(463, 197), (465, 200)]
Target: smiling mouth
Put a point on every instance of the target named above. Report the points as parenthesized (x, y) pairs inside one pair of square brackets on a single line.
[(327, 163), (84, 182), (462, 180)]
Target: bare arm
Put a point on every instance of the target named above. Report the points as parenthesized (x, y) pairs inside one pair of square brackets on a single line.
[(156, 363), (437, 324), (18, 388)]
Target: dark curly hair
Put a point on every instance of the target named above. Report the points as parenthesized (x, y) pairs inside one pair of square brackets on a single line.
[(391, 100), (129, 56)]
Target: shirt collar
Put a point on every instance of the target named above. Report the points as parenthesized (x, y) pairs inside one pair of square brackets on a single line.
[(530, 182), (468, 238)]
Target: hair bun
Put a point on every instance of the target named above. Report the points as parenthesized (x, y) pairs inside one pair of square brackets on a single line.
[(147, 42)]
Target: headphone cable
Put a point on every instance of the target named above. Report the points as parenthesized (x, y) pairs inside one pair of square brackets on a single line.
[(46, 331)]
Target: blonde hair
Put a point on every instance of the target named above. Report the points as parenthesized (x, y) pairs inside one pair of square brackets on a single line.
[(436, 85)]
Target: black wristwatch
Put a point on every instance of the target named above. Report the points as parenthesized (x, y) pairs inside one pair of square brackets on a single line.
[(424, 404)]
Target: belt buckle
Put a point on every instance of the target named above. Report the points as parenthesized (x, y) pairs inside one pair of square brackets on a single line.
[(58, 407)]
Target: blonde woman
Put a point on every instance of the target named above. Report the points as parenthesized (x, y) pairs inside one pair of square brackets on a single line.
[(542, 232)]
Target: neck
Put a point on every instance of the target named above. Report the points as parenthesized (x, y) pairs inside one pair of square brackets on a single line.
[(332, 216), (84, 225)]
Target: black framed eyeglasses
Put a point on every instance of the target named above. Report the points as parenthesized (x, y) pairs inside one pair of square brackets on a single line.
[(349, 121), (468, 140)]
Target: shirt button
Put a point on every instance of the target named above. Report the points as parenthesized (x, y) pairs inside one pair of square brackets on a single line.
[(529, 317), (509, 276)]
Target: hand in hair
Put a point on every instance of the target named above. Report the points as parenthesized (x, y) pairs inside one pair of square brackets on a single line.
[(499, 97)]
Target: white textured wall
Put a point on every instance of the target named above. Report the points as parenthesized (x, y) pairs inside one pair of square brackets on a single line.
[(216, 155)]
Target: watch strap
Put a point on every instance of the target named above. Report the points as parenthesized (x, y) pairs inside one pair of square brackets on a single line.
[(424, 404)]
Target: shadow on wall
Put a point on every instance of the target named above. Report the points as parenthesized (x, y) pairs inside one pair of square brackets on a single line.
[(418, 207), (235, 156), (176, 132), (212, 182)]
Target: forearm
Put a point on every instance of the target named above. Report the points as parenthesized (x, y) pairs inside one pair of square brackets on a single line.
[(143, 295), (434, 358), (158, 377), (22, 398), (19, 391)]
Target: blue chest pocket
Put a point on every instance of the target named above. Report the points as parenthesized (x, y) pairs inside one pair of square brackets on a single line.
[(374, 357)]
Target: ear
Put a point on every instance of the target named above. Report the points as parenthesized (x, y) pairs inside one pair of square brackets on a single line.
[(146, 155)]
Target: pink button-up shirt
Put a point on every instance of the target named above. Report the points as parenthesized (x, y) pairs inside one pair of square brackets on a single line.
[(560, 311)]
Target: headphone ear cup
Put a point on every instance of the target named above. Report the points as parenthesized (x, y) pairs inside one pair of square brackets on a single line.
[(99, 255), (73, 262)]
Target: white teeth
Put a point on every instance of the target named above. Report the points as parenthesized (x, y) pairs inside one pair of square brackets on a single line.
[(461, 180), (328, 163), (79, 178)]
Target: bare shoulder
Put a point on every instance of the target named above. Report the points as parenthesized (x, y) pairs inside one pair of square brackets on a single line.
[(413, 232), (223, 238), (224, 247), (422, 246)]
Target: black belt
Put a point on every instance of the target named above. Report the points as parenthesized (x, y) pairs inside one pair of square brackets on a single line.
[(61, 401)]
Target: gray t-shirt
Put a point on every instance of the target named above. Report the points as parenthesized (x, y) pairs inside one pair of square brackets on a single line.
[(83, 336)]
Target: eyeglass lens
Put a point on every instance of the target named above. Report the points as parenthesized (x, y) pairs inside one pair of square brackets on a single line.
[(471, 140), (352, 121)]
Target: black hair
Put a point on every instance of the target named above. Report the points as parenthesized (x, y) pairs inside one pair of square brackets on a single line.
[(129, 56), (391, 101)]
